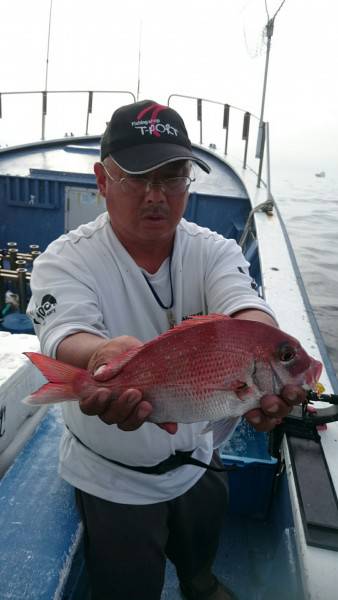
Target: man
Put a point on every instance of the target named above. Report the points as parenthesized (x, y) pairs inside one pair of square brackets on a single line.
[(118, 282)]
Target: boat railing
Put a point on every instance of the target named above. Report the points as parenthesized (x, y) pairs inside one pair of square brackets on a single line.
[(262, 143), (224, 112), (45, 95)]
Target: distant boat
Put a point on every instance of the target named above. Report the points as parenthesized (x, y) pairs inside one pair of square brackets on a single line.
[(320, 174)]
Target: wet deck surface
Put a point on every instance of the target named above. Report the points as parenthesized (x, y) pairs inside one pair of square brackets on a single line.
[(247, 565)]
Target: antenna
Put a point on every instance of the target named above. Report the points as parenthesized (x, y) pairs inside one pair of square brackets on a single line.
[(139, 63), (44, 94), (49, 27)]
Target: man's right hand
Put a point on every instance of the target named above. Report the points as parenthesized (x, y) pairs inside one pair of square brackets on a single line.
[(128, 411)]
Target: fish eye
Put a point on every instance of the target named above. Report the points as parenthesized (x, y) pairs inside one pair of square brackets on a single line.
[(286, 353)]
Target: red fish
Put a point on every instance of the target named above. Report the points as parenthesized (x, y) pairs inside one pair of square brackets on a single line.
[(206, 369)]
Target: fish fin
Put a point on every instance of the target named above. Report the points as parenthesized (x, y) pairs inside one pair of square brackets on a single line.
[(222, 430), (249, 392), (51, 393), (188, 323), (54, 370)]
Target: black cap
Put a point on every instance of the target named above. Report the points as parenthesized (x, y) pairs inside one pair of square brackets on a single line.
[(145, 135)]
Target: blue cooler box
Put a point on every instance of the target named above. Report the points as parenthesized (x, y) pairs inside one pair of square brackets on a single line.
[(250, 485)]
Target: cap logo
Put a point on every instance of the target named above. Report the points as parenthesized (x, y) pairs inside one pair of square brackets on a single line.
[(153, 125)]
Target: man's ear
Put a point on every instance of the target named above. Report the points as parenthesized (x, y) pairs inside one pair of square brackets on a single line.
[(100, 178)]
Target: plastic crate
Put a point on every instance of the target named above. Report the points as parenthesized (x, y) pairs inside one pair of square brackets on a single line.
[(251, 485)]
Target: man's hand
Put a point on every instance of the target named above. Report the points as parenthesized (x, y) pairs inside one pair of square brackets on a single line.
[(129, 411), (274, 408)]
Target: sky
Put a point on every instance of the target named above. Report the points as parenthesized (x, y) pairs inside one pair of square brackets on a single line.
[(212, 49)]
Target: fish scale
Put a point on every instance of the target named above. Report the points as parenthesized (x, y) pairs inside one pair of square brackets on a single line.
[(206, 369)]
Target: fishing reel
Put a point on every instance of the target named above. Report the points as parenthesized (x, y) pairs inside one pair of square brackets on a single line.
[(303, 422)]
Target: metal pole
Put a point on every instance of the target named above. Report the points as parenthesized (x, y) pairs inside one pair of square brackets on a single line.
[(269, 32), (2, 291), (261, 156), (245, 136), (199, 118), (44, 112), (268, 178), (226, 117), (89, 109)]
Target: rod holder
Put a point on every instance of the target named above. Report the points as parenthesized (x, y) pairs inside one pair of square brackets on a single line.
[(35, 254), (12, 256), (21, 275)]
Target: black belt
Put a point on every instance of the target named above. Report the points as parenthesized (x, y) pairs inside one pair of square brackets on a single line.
[(174, 461)]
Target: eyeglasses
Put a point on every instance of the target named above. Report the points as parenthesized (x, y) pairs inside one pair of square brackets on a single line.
[(139, 186)]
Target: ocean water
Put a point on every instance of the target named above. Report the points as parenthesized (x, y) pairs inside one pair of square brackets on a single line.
[(309, 207)]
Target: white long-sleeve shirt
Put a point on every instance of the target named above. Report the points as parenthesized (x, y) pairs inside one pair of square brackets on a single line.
[(87, 282)]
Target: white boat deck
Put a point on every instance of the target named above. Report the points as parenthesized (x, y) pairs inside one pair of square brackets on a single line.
[(18, 378)]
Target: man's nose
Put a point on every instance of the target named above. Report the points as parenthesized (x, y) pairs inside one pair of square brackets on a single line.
[(154, 192)]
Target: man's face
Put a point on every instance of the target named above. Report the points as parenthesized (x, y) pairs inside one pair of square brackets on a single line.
[(141, 213)]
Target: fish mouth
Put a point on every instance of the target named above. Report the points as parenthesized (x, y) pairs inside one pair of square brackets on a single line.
[(310, 378), (313, 374)]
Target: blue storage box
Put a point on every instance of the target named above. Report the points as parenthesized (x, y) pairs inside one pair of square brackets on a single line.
[(250, 485)]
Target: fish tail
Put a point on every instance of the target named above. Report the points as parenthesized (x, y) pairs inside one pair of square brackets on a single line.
[(61, 378), (51, 393), (54, 370)]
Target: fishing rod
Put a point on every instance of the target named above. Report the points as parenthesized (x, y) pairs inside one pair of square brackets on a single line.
[(303, 422)]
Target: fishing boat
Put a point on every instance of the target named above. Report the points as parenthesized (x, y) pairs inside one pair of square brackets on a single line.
[(280, 535)]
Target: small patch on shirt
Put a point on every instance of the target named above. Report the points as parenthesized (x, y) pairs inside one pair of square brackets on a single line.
[(46, 308)]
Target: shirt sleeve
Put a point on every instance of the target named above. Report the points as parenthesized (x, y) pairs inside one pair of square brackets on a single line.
[(63, 299), (228, 284)]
